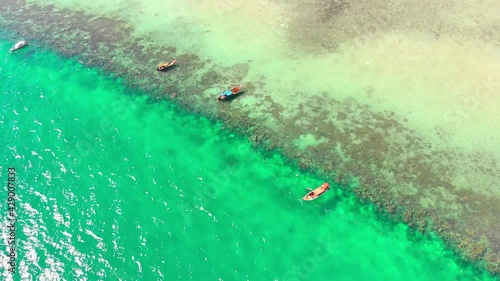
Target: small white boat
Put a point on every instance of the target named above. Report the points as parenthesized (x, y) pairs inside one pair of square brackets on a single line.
[(18, 46)]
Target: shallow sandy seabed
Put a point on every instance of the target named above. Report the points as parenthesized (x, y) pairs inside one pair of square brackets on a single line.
[(402, 98)]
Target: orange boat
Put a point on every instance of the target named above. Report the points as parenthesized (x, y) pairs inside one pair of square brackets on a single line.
[(164, 66), (317, 192)]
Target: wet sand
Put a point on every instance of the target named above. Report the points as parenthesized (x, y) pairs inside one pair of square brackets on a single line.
[(397, 102)]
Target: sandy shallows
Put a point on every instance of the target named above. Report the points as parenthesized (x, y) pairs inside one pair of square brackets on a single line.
[(402, 97)]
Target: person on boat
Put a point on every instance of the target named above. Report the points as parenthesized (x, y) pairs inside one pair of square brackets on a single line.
[(322, 189)]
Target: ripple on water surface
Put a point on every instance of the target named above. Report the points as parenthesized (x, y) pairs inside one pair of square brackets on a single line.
[(113, 186)]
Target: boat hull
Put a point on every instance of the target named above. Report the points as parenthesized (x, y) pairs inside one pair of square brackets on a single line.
[(19, 45), (317, 192), (165, 66)]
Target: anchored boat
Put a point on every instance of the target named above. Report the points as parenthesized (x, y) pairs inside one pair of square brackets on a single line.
[(164, 66), (317, 192), (18, 46), (229, 93)]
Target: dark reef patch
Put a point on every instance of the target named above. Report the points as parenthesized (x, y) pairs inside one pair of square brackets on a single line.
[(322, 26)]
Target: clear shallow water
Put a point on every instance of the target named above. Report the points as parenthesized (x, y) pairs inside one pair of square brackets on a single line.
[(115, 186)]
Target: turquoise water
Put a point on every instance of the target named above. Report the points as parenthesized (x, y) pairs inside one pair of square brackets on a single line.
[(115, 186)]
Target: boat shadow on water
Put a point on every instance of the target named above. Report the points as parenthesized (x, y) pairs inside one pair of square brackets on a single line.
[(330, 204)]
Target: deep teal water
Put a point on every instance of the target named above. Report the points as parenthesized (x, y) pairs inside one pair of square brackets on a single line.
[(115, 186)]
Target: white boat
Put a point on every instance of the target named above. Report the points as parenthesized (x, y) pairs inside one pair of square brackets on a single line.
[(18, 46)]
